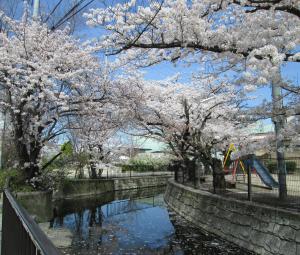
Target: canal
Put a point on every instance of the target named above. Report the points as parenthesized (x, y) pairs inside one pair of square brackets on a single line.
[(131, 222)]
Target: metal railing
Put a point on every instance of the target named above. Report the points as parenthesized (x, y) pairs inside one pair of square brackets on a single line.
[(21, 235), (130, 173)]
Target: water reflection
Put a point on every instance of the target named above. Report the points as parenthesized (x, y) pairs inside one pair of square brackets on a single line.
[(132, 222)]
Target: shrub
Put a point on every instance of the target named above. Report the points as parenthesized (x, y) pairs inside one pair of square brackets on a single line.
[(16, 180), (4, 174), (272, 166), (290, 167), (146, 164)]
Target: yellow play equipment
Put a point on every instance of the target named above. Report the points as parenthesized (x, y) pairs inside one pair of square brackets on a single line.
[(236, 162)]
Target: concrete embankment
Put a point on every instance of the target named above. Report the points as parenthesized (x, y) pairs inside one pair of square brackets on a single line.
[(256, 227), (40, 203)]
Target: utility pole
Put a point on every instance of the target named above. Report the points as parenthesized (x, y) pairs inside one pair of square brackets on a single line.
[(3, 142), (279, 121), (36, 6)]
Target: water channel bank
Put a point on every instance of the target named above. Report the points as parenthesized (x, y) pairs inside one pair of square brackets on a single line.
[(134, 221), (259, 228), (70, 189)]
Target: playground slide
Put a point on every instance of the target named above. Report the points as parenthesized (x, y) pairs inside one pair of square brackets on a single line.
[(264, 174)]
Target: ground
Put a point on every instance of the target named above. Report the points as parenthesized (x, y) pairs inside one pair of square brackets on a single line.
[(260, 192)]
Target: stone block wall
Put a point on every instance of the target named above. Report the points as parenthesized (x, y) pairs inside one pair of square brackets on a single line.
[(38, 203), (84, 187), (259, 228), (140, 182), (69, 189), (76, 188)]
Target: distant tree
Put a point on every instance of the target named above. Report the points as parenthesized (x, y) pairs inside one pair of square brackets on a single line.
[(195, 121)]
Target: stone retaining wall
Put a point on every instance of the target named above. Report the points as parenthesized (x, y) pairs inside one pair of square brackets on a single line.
[(87, 187), (259, 228), (74, 188), (140, 182), (84, 187), (37, 203), (81, 188)]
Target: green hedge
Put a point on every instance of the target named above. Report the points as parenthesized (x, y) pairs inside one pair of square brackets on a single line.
[(144, 168), (146, 163), (291, 167)]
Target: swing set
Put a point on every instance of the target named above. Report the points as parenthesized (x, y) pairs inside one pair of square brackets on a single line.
[(257, 168), (232, 166)]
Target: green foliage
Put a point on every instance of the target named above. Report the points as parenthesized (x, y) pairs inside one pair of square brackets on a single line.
[(67, 148), (272, 166), (139, 168), (68, 159), (16, 180), (146, 164), (291, 167), (4, 174), (58, 163), (18, 187)]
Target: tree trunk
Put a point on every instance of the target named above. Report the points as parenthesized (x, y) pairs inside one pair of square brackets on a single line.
[(279, 121), (191, 168), (28, 162), (219, 183), (198, 172), (93, 169), (3, 136), (280, 162), (92, 164), (174, 167), (28, 154), (178, 166)]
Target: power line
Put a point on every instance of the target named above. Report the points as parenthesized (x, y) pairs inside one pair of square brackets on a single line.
[(71, 12), (53, 10)]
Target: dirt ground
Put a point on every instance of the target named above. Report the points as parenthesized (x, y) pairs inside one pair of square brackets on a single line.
[(260, 193)]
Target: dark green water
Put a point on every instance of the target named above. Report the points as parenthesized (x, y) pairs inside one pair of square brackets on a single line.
[(134, 222)]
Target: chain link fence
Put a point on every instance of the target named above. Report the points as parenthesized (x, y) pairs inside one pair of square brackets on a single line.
[(264, 186), (257, 182)]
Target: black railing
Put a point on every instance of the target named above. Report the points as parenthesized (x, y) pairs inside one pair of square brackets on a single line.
[(20, 233), (129, 173)]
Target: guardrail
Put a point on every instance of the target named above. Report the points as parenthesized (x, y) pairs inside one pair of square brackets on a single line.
[(21, 235)]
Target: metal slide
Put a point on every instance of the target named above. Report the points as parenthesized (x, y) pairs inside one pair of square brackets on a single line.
[(264, 174)]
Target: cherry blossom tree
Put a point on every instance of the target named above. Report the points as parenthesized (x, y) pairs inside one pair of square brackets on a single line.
[(174, 29), (254, 38), (195, 121), (44, 77), (95, 131)]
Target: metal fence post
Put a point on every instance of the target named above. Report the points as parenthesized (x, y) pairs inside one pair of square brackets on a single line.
[(249, 169)]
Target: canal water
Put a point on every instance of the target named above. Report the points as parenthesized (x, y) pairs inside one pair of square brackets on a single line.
[(132, 222)]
